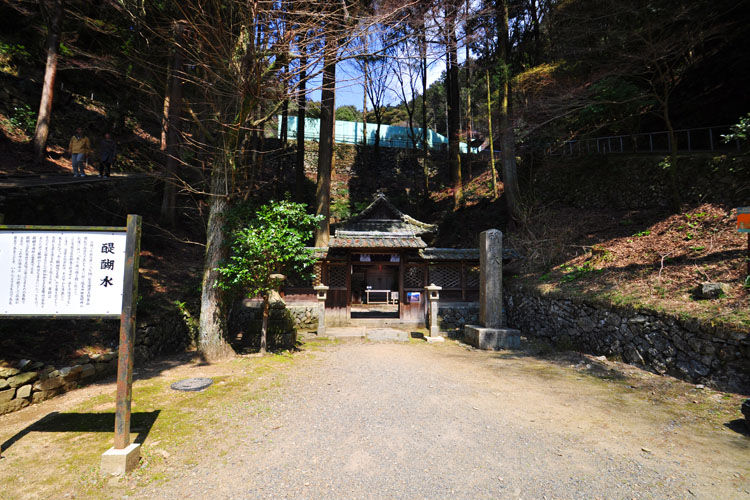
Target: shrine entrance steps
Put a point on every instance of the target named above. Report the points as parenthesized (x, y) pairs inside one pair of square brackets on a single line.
[(374, 333)]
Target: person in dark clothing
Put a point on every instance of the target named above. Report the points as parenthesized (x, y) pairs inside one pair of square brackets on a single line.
[(107, 153)]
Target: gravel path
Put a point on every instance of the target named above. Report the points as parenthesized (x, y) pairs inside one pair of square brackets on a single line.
[(366, 420)]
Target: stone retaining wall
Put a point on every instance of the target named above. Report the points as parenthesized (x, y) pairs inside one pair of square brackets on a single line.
[(688, 349), (304, 315), (30, 381), (247, 320), (454, 315)]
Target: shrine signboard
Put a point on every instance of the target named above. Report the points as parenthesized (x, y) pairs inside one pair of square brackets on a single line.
[(61, 273), (68, 272)]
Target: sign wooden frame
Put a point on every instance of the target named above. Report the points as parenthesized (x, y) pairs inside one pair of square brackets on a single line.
[(127, 335)]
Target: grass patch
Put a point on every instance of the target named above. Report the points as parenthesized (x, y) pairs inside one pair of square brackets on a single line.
[(174, 438)]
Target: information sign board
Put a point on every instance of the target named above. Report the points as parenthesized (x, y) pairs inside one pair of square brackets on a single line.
[(61, 273), (58, 271)]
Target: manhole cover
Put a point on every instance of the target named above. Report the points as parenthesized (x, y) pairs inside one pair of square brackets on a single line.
[(192, 384)]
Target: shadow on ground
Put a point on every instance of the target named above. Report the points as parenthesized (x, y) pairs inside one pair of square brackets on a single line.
[(141, 422), (740, 426)]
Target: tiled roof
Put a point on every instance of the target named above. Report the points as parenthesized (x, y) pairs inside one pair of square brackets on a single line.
[(378, 227), (461, 254), (449, 253), (415, 242), (391, 220), (378, 241)]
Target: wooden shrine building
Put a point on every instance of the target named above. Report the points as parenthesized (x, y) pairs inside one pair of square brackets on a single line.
[(377, 264)]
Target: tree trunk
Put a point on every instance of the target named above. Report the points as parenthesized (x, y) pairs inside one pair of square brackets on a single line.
[(535, 28), (299, 167), (168, 203), (41, 133), (489, 128), (510, 172), (212, 341), (454, 152), (674, 186), (325, 148), (364, 109), (423, 59), (165, 114), (467, 63), (264, 325), (364, 96), (285, 110)]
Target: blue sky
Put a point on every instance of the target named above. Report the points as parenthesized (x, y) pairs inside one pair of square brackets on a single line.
[(349, 85)]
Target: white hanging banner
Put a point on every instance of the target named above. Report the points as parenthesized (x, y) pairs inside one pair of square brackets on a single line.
[(73, 273)]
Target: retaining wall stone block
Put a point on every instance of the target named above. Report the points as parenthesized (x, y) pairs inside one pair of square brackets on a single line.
[(666, 344), (23, 379), (24, 391), (13, 405), (8, 371), (7, 394), (48, 384)]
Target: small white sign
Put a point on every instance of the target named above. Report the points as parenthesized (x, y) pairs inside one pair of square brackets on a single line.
[(61, 272)]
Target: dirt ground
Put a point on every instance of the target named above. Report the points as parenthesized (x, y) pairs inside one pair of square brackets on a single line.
[(357, 419)]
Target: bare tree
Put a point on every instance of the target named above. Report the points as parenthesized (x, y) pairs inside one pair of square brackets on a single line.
[(173, 112), (640, 52), (333, 28), (52, 10), (408, 72), (511, 189), (237, 82), (454, 153)]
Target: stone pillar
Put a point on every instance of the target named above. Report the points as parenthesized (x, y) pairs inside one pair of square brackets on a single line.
[(491, 278), (491, 334), (432, 295), (322, 294)]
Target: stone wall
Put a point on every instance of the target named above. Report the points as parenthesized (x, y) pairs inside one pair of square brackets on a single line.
[(304, 315), (28, 381), (247, 319), (31, 382), (158, 334), (454, 315), (688, 349), (360, 172)]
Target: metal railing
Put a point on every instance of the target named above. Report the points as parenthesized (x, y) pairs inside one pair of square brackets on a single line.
[(692, 140)]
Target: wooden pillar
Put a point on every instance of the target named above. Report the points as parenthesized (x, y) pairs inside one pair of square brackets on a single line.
[(401, 294)]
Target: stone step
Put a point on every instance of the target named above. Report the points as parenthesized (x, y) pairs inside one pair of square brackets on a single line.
[(345, 331), (370, 333), (384, 323)]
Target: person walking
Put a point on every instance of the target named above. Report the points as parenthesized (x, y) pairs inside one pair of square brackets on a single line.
[(79, 149), (107, 153)]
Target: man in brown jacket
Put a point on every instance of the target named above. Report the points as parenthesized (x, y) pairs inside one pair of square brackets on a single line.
[(79, 148)]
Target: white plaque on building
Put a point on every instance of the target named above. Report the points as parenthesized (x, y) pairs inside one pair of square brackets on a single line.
[(73, 273)]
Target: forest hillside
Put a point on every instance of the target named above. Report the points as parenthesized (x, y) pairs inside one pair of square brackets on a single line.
[(194, 106)]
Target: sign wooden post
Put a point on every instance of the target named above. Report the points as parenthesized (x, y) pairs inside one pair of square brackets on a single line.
[(743, 226), (123, 457), (71, 272)]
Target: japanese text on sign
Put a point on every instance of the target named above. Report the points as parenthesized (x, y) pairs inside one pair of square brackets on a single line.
[(65, 273)]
